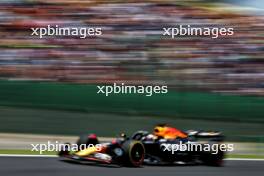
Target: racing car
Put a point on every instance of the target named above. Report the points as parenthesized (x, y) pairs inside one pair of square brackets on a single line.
[(155, 148), (124, 152)]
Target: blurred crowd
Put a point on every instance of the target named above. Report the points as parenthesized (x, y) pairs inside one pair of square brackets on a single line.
[(132, 48)]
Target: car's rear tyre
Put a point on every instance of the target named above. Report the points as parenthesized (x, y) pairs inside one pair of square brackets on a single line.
[(216, 160), (134, 153)]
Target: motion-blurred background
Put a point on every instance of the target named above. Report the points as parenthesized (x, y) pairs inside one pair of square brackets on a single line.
[(48, 86)]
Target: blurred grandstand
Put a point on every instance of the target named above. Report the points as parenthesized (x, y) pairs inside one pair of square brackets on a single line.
[(132, 49)]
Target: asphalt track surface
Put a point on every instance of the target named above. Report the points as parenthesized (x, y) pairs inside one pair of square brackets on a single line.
[(32, 166)]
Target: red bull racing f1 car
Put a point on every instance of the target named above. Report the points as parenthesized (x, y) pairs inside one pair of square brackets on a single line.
[(165, 145)]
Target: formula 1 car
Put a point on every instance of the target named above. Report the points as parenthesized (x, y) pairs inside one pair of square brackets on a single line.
[(125, 152), (151, 148)]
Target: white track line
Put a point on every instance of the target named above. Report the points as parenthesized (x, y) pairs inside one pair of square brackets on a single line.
[(55, 156)]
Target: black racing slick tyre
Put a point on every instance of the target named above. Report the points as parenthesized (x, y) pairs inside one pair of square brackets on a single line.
[(134, 153), (216, 160)]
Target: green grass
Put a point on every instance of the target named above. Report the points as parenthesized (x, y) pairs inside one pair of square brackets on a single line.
[(25, 152), (245, 156)]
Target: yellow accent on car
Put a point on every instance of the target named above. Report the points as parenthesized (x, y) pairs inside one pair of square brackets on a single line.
[(87, 151)]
